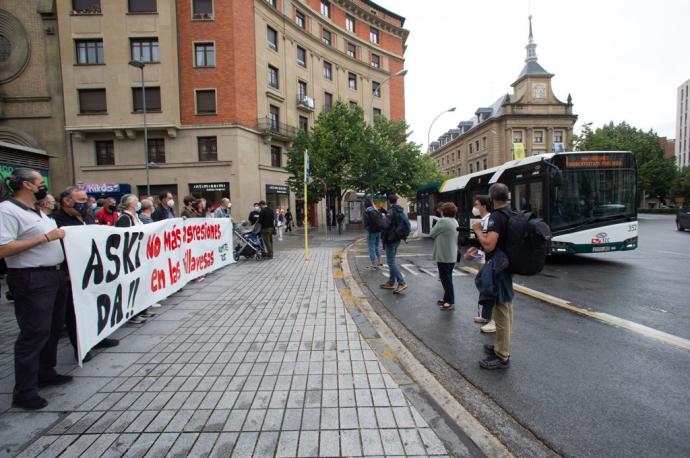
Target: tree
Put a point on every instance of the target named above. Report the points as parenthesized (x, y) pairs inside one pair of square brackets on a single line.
[(681, 185), (657, 176)]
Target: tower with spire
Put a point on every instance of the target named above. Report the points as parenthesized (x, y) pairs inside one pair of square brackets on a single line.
[(534, 82)]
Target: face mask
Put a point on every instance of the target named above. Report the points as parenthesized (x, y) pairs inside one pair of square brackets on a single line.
[(230, 205), (138, 207), (41, 193), (94, 206), (81, 207), (171, 203), (256, 209), (475, 211)]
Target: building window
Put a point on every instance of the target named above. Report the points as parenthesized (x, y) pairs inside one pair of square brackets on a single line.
[(471, 168), (5, 49), (273, 3), (350, 23), (90, 52), (517, 136), (300, 19), (206, 102), (538, 136), (86, 6), (204, 55), (92, 101), (157, 150), (325, 8), (327, 70), (273, 77), (477, 166), (301, 57), (145, 49), (327, 101), (274, 117), (276, 156), (352, 81), (471, 149), (351, 50), (326, 37), (208, 148), (485, 167), (301, 90), (142, 6), (303, 123), (377, 112), (374, 35), (376, 89), (153, 99), (483, 142), (476, 148), (558, 136), (353, 104), (272, 38), (202, 9), (105, 152), (375, 60)]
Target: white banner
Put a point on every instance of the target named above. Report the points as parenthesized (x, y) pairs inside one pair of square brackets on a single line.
[(116, 273)]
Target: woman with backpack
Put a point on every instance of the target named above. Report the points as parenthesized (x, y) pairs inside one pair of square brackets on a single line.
[(445, 235)]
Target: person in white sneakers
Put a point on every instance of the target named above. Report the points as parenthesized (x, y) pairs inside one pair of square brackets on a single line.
[(481, 209)]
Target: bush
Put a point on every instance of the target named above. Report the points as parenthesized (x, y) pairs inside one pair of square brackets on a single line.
[(659, 211)]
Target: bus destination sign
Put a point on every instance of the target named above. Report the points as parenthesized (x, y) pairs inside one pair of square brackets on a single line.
[(593, 161)]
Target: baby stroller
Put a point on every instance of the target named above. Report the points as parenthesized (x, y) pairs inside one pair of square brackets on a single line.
[(250, 244)]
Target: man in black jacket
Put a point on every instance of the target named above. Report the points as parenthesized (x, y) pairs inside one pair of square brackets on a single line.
[(267, 220), (165, 208), (74, 211)]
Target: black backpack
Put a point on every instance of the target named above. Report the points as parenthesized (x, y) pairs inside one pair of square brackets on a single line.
[(397, 230), (376, 221), (527, 242)]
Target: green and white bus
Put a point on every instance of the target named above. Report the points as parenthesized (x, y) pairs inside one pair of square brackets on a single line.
[(588, 199)]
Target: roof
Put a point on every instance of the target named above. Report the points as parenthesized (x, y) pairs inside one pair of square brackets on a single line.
[(458, 183), (516, 162), (384, 10), (532, 68)]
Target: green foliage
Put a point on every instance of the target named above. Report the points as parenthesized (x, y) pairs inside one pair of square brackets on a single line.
[(656, 176), (681, 185), (348, 153)]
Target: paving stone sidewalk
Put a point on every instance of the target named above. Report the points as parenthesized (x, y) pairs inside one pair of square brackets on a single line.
[(261, 359)]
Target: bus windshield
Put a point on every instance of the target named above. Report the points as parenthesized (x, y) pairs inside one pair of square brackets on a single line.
[(583, 196)]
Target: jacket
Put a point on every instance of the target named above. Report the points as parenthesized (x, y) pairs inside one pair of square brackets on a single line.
[(445, 235), (161, 213), (266, 218), (368, 213), (388, 225), (494, 283)]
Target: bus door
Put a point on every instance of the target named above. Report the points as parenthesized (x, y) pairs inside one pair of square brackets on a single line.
[(528, 195)]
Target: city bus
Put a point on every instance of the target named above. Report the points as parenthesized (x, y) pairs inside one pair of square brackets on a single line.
[(588, 199)]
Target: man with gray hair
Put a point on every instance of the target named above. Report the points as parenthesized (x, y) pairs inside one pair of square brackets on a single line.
[(493, 243), (223, 211), (146, 211)]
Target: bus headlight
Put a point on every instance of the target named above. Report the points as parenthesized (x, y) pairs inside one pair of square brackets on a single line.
[(630, 243)]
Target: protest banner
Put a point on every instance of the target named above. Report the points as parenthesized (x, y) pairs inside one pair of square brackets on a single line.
[(116, 273)]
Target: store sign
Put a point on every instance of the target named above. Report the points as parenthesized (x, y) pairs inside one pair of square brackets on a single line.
[(97, 188), (210, 187), (277, 189)]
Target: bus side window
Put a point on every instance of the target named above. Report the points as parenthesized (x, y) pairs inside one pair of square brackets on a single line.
[(536, 198)]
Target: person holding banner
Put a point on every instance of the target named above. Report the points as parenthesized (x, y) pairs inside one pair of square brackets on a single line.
[(29, 242), (74, 211)]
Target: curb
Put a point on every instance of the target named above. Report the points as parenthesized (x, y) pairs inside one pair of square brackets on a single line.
[(395, 350)]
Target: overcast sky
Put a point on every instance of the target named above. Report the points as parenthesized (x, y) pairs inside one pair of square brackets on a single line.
[(622, 60)]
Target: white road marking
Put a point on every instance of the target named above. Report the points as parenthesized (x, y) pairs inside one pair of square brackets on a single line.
[(431, 274), (407, 268), (683, 255), (409, 255)]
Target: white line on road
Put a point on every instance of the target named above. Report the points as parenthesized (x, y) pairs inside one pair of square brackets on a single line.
[(603, 317), (683, 255), (407, 268)]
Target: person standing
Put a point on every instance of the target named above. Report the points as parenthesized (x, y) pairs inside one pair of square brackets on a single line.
[(474, 253), (108, 215), (166, 208), (187, 211), (47, 204), (373, 224), (493, 243), (254, 214), (445, 235), (288, 221), (30, 244), (340, 220), (146, 213), (396, 229), (223, 211), (267, 221), (280, 223)]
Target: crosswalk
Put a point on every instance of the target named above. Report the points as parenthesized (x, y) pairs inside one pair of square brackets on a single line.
[(415, 270)]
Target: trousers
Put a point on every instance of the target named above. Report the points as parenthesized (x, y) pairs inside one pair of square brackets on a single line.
[(503, 317), (374, 245), (391, 252), (267, 235), (445, 272)]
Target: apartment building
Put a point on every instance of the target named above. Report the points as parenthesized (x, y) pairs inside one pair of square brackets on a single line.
[(682, 125), (228, 85), (530, 121)]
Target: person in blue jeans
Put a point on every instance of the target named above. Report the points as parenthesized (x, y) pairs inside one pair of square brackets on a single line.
[(373, 226), (396, 229)]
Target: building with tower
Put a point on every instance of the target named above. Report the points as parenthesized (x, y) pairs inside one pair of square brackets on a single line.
[(531, 120)]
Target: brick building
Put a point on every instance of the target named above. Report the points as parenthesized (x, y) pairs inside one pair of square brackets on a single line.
[(228, 85)]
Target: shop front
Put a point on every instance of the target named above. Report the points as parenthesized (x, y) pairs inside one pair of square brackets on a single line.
[(212, 192), (104, 190), (277, 196), (17, 156)]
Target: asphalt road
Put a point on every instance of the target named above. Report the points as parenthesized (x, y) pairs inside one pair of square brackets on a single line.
[(583, 387)]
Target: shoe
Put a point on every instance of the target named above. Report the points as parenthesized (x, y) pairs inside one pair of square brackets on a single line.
[(56, 380), (478, 319), (440, 302), (447, 306), (34, 403), (146, 314), (388, 285), (107, 343), (489, 328), (137, 320), (199, 279), (401, 287), (494, 362), (155, 306), (489, 350)]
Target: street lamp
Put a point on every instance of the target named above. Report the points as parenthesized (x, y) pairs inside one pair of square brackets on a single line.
[(428, 137), (140, 65), (377, 91)]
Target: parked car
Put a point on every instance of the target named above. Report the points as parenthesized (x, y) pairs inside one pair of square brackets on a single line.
[(683, 219)]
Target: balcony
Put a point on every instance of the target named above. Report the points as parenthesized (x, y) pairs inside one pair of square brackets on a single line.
[(305, 103), (272, 129)]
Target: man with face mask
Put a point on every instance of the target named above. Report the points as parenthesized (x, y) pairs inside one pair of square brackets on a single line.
[(224, 210), (29, 242), (254, 214), (108, 215), (75, 211), (166, 208)]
